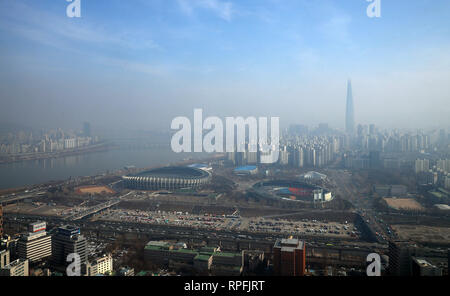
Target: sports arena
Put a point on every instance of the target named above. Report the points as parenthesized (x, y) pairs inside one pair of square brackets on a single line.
[(168, 178), (292, 190)]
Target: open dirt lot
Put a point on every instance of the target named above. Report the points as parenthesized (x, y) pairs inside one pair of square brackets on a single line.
[(403, 204), (94, 190), (423, 233), (36, 209)]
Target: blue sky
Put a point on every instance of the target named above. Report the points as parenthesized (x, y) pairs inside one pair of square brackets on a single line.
[(142, 63)]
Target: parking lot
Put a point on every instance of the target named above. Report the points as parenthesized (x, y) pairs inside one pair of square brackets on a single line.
[(230, 222)]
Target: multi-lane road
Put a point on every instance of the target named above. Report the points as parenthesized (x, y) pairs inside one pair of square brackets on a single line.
[(346, 189)]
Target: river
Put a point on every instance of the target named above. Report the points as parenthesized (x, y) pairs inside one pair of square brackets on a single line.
[(32, 172)]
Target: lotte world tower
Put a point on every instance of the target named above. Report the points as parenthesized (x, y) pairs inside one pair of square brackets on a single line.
[(349, 114)]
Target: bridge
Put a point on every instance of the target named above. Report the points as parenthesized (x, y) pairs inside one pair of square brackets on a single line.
[(15, 198), (96, 209), (93, 210)]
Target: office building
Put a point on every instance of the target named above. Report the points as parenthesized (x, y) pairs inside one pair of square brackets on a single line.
[(104, 264), (1, 221), (101, 265), (35, 245), (421, 267), (400, 258), (18, 267), (289, 257), (4, 258), (68, 240)]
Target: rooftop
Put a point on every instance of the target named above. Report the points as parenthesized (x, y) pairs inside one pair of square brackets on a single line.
[(423, 262), (157, 243), (174, 172), (226, 254), (202, 257), (292, 243), (246, 168), (156, 248), (187, 251)]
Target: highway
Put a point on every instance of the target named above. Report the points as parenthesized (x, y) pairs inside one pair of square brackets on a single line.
[(17, 197), (342, 181), (96, 208)]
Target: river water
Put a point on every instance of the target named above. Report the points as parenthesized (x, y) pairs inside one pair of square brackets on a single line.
[(32, 172)]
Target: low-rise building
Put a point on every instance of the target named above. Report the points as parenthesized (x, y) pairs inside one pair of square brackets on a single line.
[(202, 261), (102, 265), (225, 263), (18, 267)]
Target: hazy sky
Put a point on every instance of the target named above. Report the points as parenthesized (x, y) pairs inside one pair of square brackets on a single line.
[(139, 63)]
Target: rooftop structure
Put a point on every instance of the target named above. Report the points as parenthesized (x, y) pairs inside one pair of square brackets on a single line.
[(246, 170), (314, 176), (201, 166)]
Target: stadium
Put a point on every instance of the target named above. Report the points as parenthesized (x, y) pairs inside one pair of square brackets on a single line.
[(168, 178), (292, 190)]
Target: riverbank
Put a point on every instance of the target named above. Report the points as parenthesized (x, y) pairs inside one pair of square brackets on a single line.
[(103, 146), (25, 174)]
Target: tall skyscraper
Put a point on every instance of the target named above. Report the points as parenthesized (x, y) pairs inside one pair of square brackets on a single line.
[(66, 241), (36, 245), (350, 114), (86, 129), (400, 258), (289, 257)]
